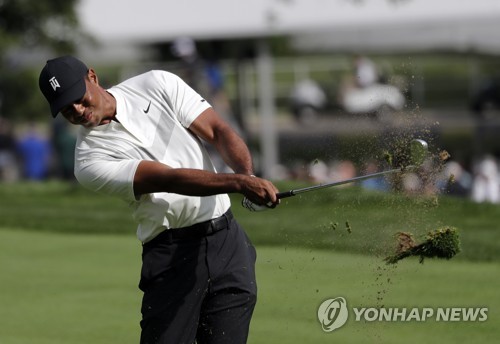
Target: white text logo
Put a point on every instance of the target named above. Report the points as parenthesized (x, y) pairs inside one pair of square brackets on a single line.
[(333, 314), (54, 83), (421, 314)]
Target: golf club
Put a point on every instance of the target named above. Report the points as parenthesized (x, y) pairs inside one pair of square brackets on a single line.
[(417, 153)]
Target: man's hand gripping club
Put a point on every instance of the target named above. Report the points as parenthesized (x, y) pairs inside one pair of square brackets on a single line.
[(260, 196)]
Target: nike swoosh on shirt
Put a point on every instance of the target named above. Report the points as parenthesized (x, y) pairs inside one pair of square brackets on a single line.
[(147, 109)]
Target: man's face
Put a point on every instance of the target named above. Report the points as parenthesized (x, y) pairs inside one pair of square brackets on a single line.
[(89, 110)]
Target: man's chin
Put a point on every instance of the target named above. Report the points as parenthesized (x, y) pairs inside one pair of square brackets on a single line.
[(89, 125)]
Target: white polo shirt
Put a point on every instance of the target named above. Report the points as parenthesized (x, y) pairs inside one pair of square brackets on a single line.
[(153, 109)]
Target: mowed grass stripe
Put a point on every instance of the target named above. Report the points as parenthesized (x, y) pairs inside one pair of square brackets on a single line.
[(302, 221)]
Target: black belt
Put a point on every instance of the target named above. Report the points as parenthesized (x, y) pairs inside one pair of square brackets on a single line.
[(198, 230)]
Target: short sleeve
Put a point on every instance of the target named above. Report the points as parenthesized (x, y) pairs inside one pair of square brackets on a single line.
[(188, 104), (112, 177)]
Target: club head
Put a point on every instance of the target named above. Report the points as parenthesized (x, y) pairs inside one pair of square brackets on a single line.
[(418, 152)]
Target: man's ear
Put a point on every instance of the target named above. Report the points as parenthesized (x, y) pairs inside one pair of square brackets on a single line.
[(93, 76)]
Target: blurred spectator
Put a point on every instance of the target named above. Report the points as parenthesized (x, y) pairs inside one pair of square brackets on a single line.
[(455, 180), (216, 94), (35, 153), (8, 162), (365, 71), (318, 171), (486, 97), (192, 67), (378, 183), (307, 99), (63, 141), (299, 170), (215, 77), (342, 170), (412, 183), (365, 92), (486, 181), (429, 175)]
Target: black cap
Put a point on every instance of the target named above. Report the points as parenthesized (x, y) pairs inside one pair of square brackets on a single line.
[(62, 82)]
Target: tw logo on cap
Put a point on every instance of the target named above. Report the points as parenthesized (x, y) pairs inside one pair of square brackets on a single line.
[(54, 83)]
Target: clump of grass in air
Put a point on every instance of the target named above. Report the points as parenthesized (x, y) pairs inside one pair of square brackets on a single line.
[(441, 243)]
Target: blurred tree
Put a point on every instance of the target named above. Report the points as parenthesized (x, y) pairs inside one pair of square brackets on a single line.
[(32, 26)]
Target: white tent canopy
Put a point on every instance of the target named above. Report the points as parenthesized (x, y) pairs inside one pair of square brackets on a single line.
[(454, 24), (461, 35)]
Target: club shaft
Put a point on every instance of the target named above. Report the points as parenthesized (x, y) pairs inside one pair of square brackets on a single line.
[(291, 193)]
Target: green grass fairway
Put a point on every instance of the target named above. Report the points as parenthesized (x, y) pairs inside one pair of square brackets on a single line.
[(79, 289), (70, 265), (302, 221), (59, 288), (294, 282)]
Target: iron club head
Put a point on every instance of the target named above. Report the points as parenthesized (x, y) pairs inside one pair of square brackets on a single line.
[(418, 152)]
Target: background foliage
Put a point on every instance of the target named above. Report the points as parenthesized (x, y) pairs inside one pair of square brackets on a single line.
[(30, 28)]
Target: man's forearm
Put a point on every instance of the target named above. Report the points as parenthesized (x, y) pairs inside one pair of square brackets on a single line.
[(234, 152), (192, 182), (153, 177)]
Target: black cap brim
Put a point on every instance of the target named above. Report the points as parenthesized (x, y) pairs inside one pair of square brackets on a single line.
[(71, 95)]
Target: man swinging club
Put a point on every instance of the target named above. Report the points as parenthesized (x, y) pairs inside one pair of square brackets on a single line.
[(141, 140)]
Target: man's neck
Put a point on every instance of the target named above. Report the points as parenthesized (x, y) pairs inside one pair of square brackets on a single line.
[(111, 108)]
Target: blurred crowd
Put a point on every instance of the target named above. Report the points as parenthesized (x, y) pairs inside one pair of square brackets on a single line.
[(36, 153), (480, 183)]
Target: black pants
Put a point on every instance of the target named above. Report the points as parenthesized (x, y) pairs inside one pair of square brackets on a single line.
[(198, 285)]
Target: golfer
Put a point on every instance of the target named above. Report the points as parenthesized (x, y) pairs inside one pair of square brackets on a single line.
[(142, 140)]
